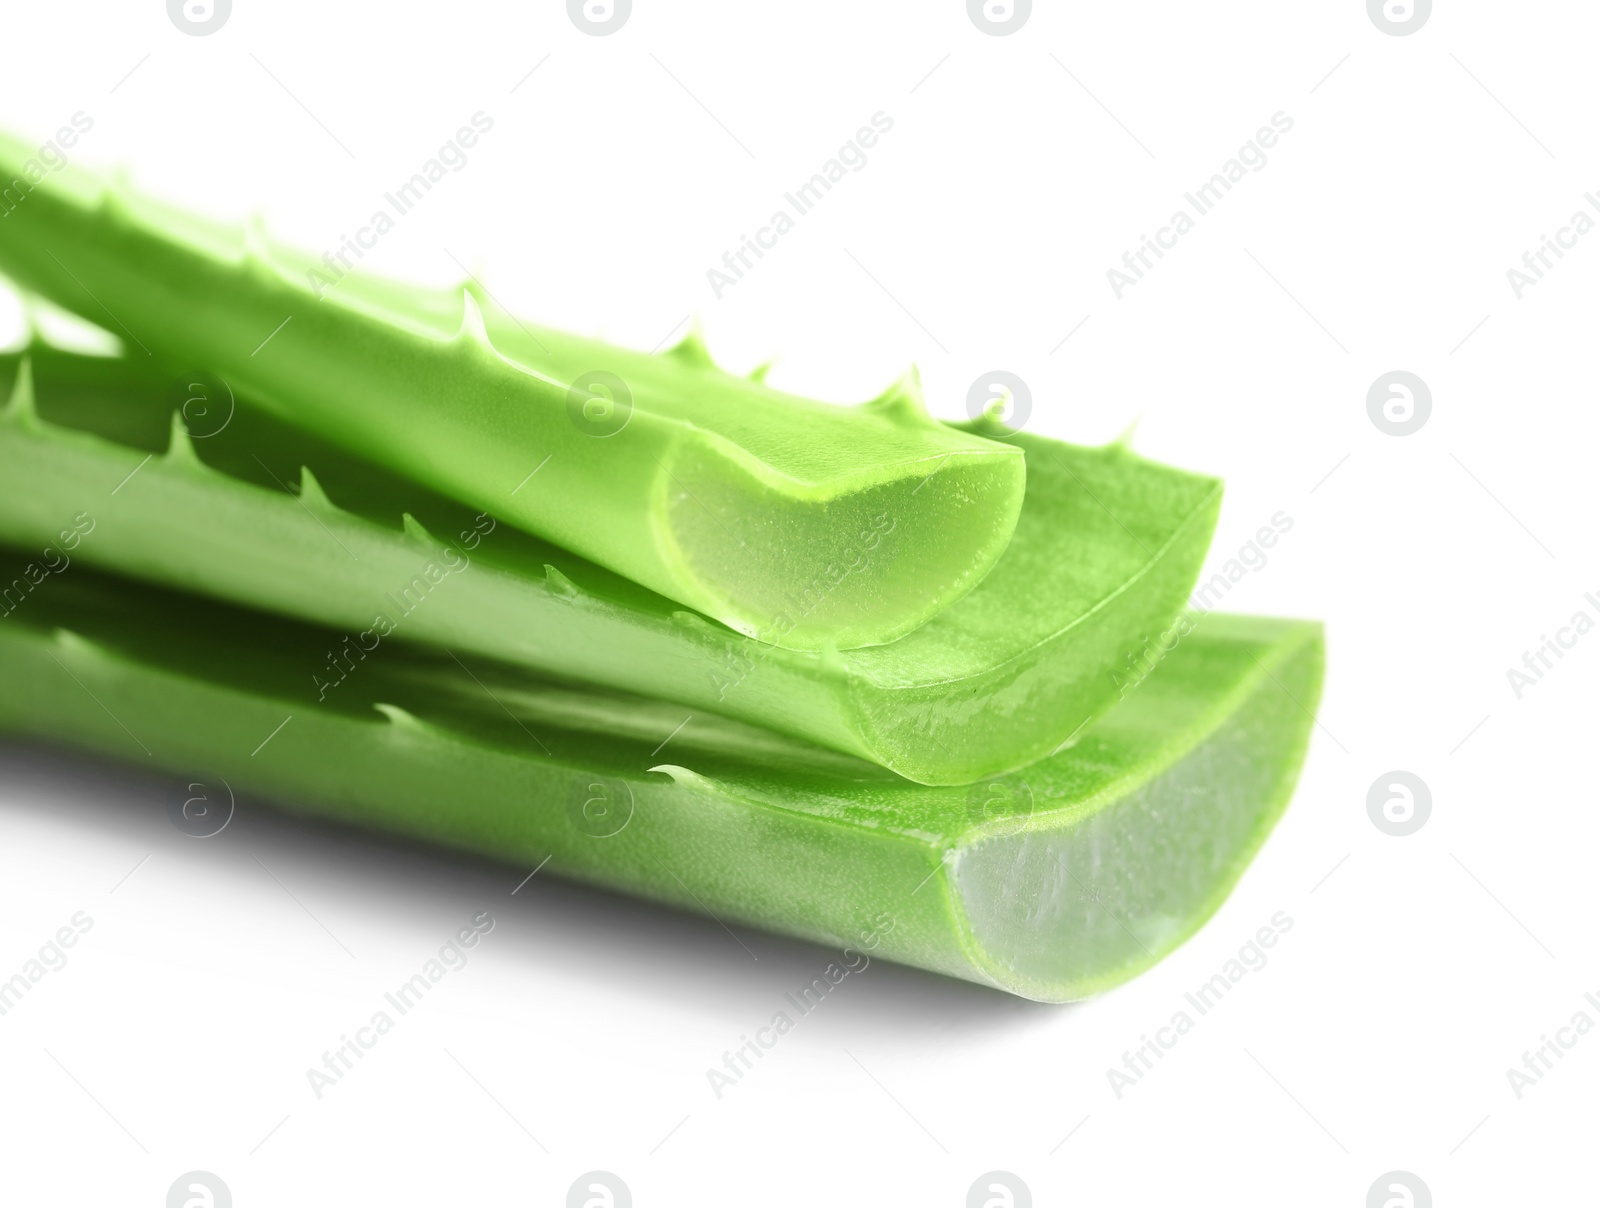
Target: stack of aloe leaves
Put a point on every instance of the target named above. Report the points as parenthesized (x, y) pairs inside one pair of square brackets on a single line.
[(396, 557)]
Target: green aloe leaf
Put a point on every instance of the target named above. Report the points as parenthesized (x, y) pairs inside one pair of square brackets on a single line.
[(716, 491), (1106, 550), (1053, 883)]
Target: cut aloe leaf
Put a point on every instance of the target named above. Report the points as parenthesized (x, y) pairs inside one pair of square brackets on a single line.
[(1105, 553), (716, 491), (1053, 883)]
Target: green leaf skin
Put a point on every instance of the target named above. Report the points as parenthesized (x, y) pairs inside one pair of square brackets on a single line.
[(1133, 838), (721, 493), (1105, 553)]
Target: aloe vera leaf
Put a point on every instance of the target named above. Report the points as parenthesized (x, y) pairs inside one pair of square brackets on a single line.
[(1105, 553), (1053, 883), (713, 490)]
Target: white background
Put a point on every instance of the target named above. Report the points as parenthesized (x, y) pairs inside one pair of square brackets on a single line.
[(1018, 171)]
